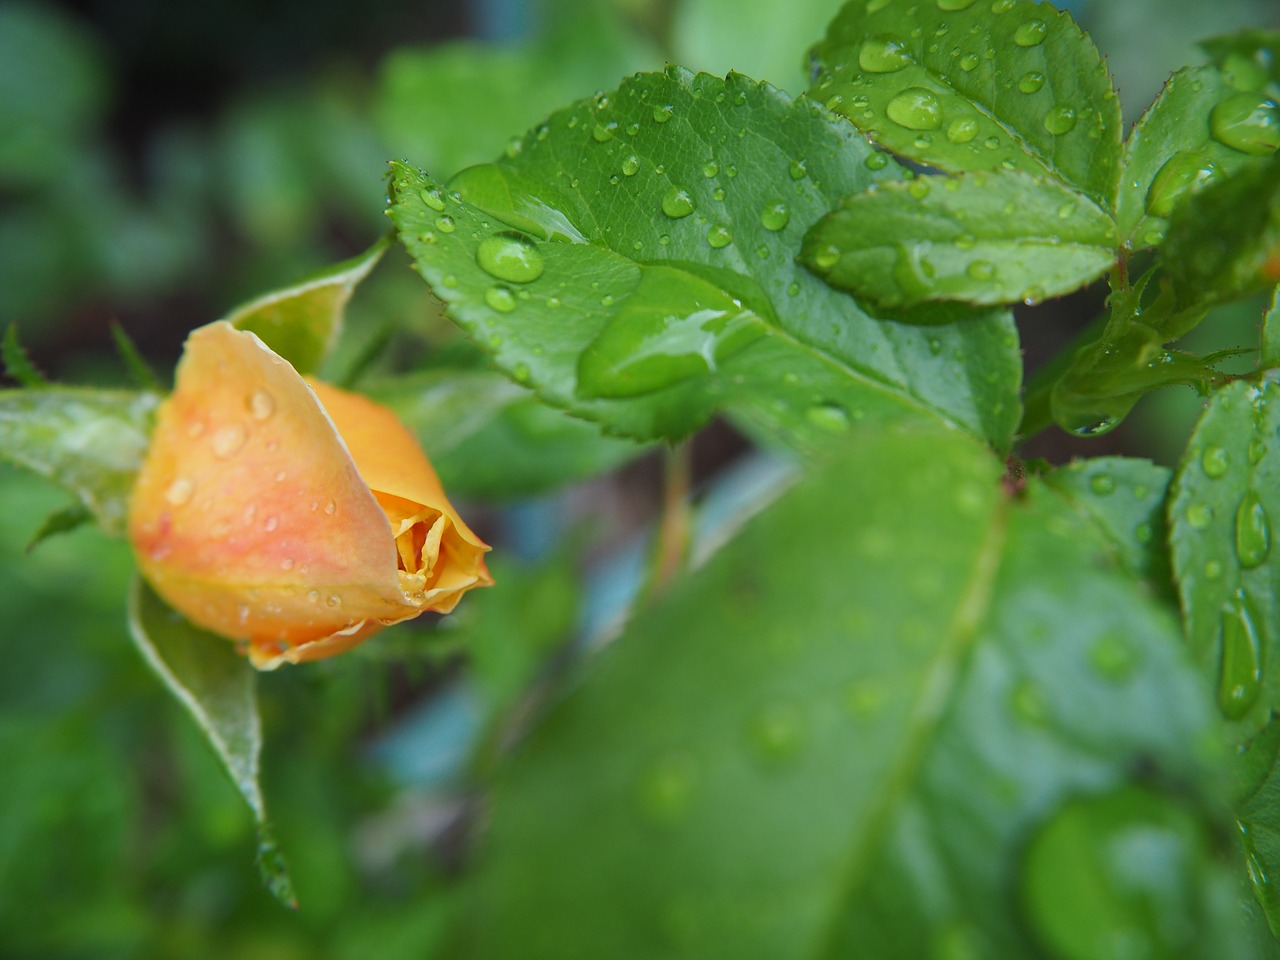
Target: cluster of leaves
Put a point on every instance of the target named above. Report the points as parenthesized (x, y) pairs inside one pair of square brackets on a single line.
[(933, 701)]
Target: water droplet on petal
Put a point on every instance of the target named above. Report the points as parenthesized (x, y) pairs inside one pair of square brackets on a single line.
[(330, 508), (180, 491), (677, 203), (271, 524), (511, 257), (915, 109), (227, 441), (333, 600), (1253, 532)]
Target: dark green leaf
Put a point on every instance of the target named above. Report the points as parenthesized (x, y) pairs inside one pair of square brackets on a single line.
[(63, 521), (301, 322), (647, 277), (1257, 768), (1125, 498), (17, 363), (867, 729), (1175, 150), (1226, 498), (488, 437), (976, 86), (1224, 242), (217, 687), (979, 238), (89, 441)]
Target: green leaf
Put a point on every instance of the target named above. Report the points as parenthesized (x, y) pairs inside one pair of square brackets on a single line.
[(451, 105), (978, 238), (1125, 499), (217, 687), (1174, 151), (1225, 502), (1257, 768), (17, 363), (1249, 59), (1270, 351), (646, 277), (62, 521), (488, 437), (301, 322), (1224, 242), (866, 729), (90, 442), (976, 86)]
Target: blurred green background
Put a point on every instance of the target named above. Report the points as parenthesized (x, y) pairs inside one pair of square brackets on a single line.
[(160, 162)]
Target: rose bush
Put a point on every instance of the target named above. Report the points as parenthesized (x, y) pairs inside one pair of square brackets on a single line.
[(289, 515)]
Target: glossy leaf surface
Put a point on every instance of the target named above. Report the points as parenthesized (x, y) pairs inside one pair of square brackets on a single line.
[(634, 264), (217, 687), (90, 442), (976, 86), (1224, 242), (866, 729), (981, 238), (1173, 153), (1225, 502)]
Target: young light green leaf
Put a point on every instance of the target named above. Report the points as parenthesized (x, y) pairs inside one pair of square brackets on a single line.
[(634, 263), (1183, 142), (488, 437), (90, 442), (1125, 499), (1224, 242), (62, 521), (1225, 502), (898, 731), (217, 687), (981, 238), (17, 363), (976, 86), (301, 322)]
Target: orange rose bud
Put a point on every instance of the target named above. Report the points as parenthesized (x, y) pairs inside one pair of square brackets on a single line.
[(291, 515)]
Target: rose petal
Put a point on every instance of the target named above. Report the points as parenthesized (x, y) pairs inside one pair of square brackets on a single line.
[(249, 515)]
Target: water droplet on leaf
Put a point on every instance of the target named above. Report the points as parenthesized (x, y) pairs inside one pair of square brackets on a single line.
[(1215, 461), (1031, 81), (1061, 119), (962, 130), (1253, 532), (719, 236), (883, 54), (1031, 33), (915, 109), (677, 203), (1186, 171), (509, 257), (1240, 667), (1248, 122), (775, 216), (500, 298)]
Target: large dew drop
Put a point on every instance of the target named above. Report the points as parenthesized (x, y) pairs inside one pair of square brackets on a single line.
[(509, 257), (883, 54), (1248, 122), (1184, 172), (1253, 532), (915, 109), (1240, 666)]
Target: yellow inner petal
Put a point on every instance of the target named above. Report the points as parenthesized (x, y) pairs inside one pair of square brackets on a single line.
[(418, 533)]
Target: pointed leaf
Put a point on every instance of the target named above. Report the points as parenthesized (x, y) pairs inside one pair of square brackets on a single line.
[(17, 363), (634, 263), (143, 377), (943, 238), (1181, 144), (90, 442), (63, 521), (1125, 498), (1270, 352), (976, 86), (1250, 59), (1224, 242), (488, 437), (301, 322), (217, 687), (1257, 804), (866, 729), (1225, 503)]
